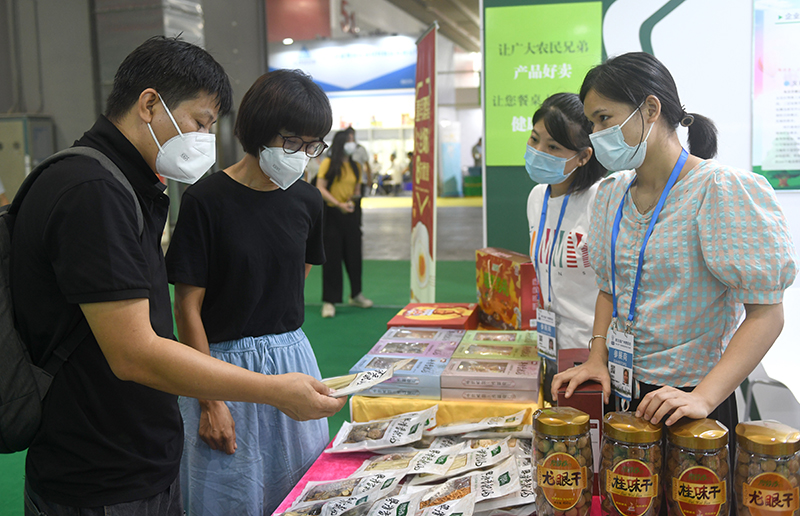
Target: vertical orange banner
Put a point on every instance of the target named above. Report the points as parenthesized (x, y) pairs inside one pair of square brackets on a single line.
[(423, 210)]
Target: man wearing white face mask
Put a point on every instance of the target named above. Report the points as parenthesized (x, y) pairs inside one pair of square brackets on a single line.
[(245, 241), (186, 156), (111, 436), (559, 157)]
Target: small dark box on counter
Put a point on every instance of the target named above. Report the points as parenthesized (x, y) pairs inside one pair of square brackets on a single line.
[(588, 398)]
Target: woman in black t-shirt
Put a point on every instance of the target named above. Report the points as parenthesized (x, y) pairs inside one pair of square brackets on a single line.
[(244, 243)]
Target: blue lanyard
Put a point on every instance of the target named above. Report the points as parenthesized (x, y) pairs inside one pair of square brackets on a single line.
[(673, 177), (555, 237)]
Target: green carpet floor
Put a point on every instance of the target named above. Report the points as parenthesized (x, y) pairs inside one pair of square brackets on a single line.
[(338, 342)]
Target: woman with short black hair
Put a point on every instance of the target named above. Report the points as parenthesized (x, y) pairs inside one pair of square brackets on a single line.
[(560, 158), (244, 243)]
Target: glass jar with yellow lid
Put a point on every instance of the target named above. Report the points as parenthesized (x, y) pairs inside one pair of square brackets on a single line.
[(562, 458), (696, 476), (767, 469), (631, 465)]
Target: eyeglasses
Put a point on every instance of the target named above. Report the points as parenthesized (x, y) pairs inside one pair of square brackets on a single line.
[(294, 144)]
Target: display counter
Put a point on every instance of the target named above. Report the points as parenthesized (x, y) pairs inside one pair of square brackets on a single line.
[(332, 466)]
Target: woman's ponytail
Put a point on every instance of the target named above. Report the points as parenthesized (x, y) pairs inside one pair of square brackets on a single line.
[(702, 135)]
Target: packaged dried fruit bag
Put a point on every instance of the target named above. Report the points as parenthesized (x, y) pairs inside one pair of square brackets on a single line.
[(351, 487), (384, 433), (525, 496), (469, 459), (495, 482), (432, 461), (427, 442), (355, 383), (399, 505), (460, 427)]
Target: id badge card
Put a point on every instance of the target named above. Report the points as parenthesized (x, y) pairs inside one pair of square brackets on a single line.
[(546, 334), (620, 362)]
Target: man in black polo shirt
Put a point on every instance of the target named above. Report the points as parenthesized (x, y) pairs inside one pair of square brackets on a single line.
[(112, 437)]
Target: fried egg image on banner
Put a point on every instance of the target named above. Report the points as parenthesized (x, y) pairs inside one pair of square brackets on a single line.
[(420, 255)]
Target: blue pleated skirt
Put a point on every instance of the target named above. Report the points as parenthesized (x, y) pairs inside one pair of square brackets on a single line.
[(273, 450)]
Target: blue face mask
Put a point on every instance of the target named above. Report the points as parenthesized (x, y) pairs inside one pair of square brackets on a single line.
[(613, 152), (545, 168)]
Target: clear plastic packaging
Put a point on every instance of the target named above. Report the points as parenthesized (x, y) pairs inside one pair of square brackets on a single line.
[(501, 480), (696, 475), (383, 433), (562, 462), (767, 471), (631, 466), (354, 383), (430, 461), (461, 427), (469, 459)]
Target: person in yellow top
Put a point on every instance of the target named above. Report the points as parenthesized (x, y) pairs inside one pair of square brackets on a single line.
[(339, 180)]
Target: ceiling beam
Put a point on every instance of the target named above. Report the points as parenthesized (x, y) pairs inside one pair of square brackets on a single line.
[(460, 7), (420, 9)]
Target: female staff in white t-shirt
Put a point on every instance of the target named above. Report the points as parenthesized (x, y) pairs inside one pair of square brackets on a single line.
[(560, 158)]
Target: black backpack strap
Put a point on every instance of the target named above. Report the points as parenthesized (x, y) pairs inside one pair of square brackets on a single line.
[(61, 354), (82, 330), (88, 152)]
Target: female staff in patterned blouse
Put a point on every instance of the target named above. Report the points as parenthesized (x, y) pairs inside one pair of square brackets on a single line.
[(720, 248)]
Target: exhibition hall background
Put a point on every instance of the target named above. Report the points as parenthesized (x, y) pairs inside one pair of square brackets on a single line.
[(65, 74), (58, 57)]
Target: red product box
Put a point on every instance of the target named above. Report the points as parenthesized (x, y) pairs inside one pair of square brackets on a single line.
[(588, 398), (453, 316), (507, 288)]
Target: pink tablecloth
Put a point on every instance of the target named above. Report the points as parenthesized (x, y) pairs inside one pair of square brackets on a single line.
[(334, 466), (329, 466)]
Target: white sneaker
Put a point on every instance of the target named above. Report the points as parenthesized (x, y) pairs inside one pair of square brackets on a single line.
[(328, 310), (361, 301)]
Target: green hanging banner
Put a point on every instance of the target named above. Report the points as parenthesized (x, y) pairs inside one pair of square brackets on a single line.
[(532, 52)]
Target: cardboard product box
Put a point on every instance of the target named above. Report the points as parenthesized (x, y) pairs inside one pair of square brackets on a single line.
[(508, 290), (588, 398), (489, 395), (498, 345), (417, 379), (414, 348), (454, 316), (520, 376), (414, 333), (501, 336), (393, 391)]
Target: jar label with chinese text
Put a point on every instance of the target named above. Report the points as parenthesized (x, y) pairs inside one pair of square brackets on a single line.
[(770, 494), (562, 479), (699, 492), (632, 487)]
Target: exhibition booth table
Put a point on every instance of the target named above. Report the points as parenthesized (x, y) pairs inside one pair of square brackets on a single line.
[(333, 466)]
